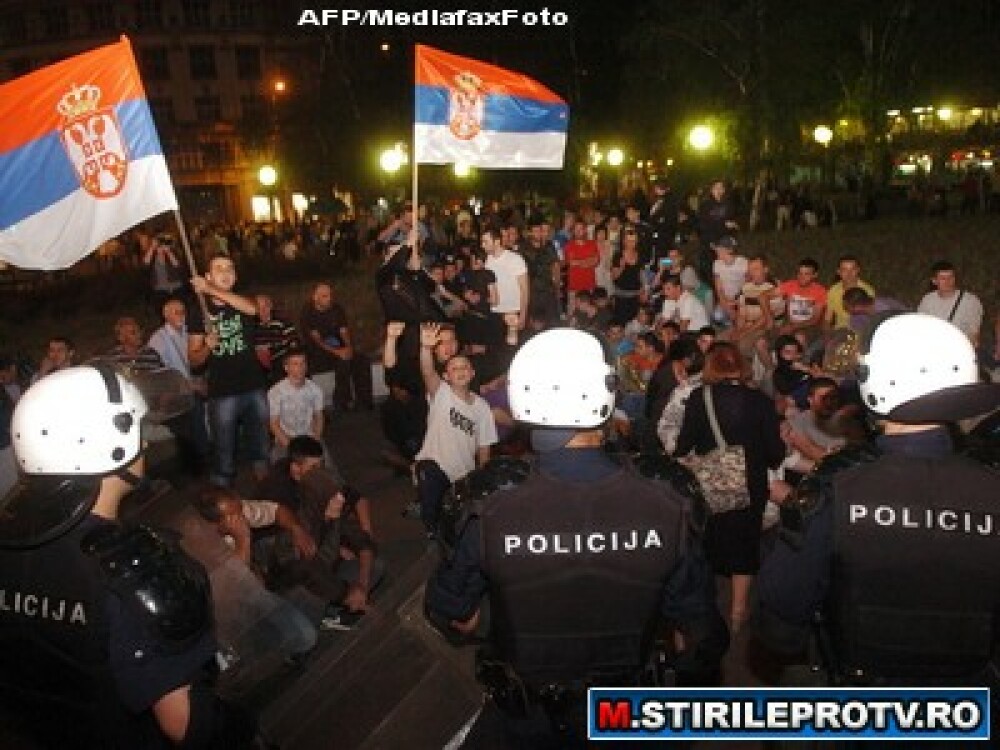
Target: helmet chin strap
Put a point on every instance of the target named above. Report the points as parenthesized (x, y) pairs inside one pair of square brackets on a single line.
[(128, 477)]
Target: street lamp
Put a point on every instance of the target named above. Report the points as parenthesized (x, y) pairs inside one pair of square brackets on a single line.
[(701, 137), (461, 169), (823, 135), (391, 160), (615, 157), (268, 176)]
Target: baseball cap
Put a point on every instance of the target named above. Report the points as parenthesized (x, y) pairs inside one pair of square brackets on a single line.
[(728, 242)]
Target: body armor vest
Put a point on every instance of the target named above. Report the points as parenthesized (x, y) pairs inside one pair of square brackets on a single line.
[(577, 572), (916, 567)]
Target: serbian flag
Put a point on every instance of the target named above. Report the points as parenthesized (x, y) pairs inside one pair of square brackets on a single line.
[(468, 112), (80, 161)]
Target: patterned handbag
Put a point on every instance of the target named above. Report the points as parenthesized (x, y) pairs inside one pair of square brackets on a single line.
[(722, 471)]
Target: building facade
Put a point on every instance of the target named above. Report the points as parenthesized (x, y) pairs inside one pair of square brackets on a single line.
[(218, 75)]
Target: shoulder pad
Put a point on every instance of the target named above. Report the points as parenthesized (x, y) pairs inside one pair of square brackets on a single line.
[(662, 468), (465, 497), (155, 577), (814, 487)]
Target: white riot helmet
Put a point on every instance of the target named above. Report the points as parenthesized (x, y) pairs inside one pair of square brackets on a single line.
[(562, 378), (916, 368), (78, 421)]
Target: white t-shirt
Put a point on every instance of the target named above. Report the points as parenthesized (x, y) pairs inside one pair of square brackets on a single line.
[(507, 266), (688, 307), (295, 407), (455, 431), (968, 316), (731, 276)]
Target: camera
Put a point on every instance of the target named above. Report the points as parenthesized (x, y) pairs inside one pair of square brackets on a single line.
[(666, 262)]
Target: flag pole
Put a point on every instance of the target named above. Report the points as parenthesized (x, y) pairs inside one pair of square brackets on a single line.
[(186, 243)]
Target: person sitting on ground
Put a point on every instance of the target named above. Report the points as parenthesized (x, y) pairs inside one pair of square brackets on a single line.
[(274, 338), (805, 300), (337, 520), (861, 306), (129, 351), (791, 375), (295, 405)]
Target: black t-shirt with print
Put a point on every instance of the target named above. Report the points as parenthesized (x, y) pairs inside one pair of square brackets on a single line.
[(233, 368)]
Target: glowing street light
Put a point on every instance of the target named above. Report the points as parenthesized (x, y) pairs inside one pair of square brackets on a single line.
[(461, 170), (701, 137), (615, 157), (945, 113), (267, 175), (280, 86), (391, 160), (823, 135)]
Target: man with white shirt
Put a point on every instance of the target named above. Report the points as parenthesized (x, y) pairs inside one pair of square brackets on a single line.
[(959, 307), (682, 307), (729, 273), (170, 341), (513, 291)]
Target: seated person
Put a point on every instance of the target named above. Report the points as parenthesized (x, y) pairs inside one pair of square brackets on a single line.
[(295, 405), (791, 374), (342, 569)]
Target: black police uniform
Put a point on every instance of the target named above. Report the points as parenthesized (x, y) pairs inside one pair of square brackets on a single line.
[(579, 559), (98, 624), (899, 550)]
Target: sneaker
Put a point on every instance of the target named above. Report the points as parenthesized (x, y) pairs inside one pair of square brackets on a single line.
[(340, 618), (412, 510)]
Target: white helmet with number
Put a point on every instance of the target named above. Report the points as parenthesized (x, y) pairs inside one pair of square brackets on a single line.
[(916, 368), (78, 421), (562, 378)]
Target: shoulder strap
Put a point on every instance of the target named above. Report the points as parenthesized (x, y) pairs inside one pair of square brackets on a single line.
[(954, 309), (712, 420)]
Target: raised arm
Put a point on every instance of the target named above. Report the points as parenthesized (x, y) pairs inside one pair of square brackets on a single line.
[(429, 333)]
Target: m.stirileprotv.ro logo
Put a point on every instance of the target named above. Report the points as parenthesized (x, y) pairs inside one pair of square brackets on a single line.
[(461, 17)]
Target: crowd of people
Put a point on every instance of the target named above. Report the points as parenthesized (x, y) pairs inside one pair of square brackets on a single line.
[(708, 348)]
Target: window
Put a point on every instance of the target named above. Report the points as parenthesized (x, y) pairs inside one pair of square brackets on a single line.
[(248, 63), (218, 154), (196, 14), (202, 60), (155, 64), (163, 110), (100, 17), (207, 108), (240, 13), (149, 14), (55, 21)]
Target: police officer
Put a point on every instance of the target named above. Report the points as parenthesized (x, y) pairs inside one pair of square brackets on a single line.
[(892, 564), (580, 557), (105, 629)]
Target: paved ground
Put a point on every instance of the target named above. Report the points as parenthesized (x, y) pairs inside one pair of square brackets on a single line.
[(392, 682)]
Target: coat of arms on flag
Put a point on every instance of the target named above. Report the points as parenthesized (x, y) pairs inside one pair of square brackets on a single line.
[(93, 142), (466, 105)]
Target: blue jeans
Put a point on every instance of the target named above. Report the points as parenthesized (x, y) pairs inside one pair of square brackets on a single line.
[(432, 484), (225, 415)]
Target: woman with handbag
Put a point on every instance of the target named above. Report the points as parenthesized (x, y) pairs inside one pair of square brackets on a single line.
[(727, 427)]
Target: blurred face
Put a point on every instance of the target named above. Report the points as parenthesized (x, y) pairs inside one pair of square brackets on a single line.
[(631, 241), (295, 367), (59, 354), (174, 314), (129, 335), (676, 259), (756, 271), (668, 334), (945, 281), (849, 272), (447, 345), (824, 402), (450, 271), (222, 273), (490, 244), (642, 348), (437, 274), (298, 469), (718, 190), (806, 275), (322, 297), (672, 291), (458, 371), (508, 236), (705, 341), (580, 231), (790, 353), (538, 234)]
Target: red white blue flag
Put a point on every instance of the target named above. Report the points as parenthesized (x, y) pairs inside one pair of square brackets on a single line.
[(468, 112), (80, 160)]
